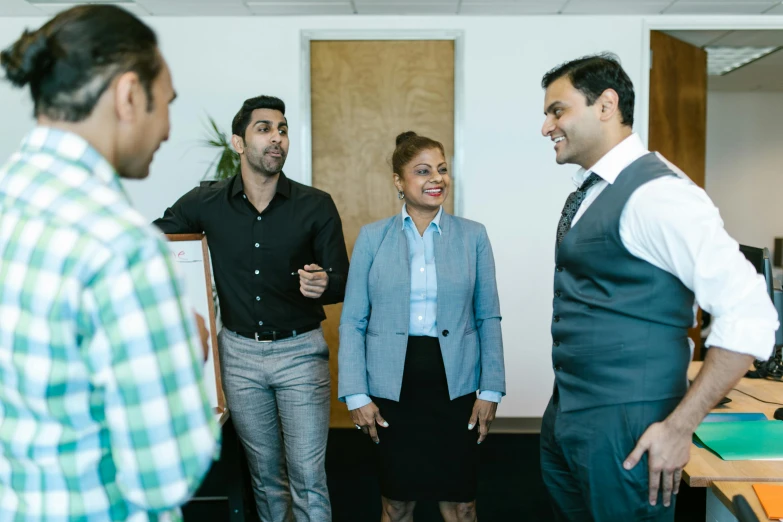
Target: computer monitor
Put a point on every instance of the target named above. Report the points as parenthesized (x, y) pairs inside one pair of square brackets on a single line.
[(760, 259), (777, 298), (755, 255), (774, 366)]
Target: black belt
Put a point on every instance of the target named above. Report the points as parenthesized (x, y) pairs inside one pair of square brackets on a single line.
[(277, 335)]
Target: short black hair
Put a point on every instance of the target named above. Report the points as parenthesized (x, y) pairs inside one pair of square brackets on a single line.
[(242, 118), (592, 75), (71, 60)]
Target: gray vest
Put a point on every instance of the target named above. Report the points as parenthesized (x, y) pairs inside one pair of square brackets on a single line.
[(619, 325)]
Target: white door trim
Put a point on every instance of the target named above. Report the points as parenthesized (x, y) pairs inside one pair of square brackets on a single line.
[(458, 36), (688, 23)]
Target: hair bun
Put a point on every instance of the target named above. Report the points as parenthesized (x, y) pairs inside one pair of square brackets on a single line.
[(405, 136), (28, 58)]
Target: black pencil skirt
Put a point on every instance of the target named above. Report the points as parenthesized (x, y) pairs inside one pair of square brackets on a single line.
[(427, 452)]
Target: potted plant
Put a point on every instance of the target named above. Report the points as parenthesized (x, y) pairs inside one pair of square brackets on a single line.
[(226, 163)]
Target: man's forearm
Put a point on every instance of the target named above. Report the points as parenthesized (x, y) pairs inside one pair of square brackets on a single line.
[(720, 372)]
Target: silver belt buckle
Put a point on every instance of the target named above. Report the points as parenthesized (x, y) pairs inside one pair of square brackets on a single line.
[(262, 341)]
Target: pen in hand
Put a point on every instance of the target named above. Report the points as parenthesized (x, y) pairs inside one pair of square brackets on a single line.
[(313, 271)]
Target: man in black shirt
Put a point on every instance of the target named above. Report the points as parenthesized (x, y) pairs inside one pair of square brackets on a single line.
[(279, 255)]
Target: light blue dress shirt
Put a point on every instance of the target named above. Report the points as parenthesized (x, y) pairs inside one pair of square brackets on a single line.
[(424, 280), (424, 293)]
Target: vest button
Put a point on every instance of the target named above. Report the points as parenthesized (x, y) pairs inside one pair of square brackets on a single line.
[(556, 344), (558, 293), (556, 319), (558, 368), (559, 268), (445, 333)]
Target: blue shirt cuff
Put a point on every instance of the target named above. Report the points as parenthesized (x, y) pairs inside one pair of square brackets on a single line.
[(358, 400), (491, 396)]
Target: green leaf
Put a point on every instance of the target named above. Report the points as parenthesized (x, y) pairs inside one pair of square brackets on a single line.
[(226, 162)]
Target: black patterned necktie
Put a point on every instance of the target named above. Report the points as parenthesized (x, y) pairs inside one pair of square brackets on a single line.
[(572, 205)]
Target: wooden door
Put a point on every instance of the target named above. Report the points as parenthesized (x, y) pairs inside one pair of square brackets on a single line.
[(678, 113), (364, 93)]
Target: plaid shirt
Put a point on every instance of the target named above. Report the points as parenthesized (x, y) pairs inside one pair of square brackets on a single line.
[(103, 411)]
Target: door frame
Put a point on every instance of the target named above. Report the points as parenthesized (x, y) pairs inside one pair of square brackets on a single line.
[(458, 36), (688, 23)]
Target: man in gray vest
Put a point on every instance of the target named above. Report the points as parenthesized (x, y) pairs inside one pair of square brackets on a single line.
[(637, 243)]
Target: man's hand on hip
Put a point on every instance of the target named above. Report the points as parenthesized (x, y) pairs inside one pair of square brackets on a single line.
[(668, 451), (668, 443)]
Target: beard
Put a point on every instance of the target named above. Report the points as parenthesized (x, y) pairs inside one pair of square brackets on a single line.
[(262, 163)]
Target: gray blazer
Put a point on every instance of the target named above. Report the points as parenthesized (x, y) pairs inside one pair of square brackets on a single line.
[(376, 310)]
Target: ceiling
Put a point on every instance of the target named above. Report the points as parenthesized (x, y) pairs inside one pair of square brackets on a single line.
[(408, 7), (764, 74)]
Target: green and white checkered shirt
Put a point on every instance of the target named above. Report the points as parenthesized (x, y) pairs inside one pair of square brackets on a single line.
[(103, 410)]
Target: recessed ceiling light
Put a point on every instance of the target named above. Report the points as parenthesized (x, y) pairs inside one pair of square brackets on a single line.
[(723, 60)]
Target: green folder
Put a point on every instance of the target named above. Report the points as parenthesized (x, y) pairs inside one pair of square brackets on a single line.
[(758, 440)]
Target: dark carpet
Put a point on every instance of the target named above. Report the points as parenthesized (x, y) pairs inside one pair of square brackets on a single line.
[(510, 485)]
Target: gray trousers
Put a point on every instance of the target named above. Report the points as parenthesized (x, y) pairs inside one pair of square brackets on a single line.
[(582, 455), (278, 395)]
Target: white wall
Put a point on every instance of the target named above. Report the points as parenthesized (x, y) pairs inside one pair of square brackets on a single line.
[(16, 109), (510, 181), (745, 163)]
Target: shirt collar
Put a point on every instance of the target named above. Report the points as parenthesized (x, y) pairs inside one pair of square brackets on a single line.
[(283, 185), (72, 148), (613, 162), (407, 218)]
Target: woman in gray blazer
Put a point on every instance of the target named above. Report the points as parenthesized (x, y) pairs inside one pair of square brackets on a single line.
[(419, 337)]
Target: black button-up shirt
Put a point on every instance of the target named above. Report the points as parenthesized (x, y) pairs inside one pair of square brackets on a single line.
[(254, 254)]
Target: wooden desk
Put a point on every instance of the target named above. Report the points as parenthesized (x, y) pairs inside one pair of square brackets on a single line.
[(705, 467), (725, 491)]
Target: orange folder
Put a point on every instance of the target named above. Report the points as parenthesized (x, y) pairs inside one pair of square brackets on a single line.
[(771, 498)]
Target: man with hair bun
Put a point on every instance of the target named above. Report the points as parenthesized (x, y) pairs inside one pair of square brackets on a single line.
[(104, 411)]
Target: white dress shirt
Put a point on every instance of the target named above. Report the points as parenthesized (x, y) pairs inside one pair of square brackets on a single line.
[(672, 224)]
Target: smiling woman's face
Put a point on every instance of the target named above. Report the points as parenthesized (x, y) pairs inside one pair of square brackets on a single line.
[(425, 180)]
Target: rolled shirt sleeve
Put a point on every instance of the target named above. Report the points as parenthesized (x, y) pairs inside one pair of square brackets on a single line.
[(672, 223)]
